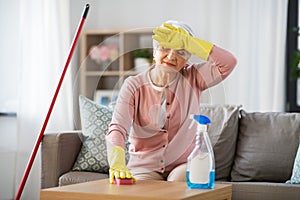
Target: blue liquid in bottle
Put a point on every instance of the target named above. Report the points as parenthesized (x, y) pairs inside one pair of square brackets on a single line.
[(209, 185)]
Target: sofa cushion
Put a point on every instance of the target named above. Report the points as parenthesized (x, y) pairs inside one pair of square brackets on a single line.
[(264, 191), (223, 133), (95, 119), (266, 146)]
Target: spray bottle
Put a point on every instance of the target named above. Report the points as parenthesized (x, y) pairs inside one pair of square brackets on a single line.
[(201, 163)]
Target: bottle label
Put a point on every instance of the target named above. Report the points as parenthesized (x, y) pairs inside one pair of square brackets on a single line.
[(200, 168)]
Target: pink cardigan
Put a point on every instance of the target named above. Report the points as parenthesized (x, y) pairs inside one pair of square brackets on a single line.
[(138, 108)]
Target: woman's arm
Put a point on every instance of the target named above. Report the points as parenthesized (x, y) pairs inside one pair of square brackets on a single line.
[(219, 65), (122, 116)]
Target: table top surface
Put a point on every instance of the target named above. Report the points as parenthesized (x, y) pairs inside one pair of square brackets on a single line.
[(142, 189)]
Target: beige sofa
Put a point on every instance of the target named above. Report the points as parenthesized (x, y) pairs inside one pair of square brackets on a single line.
[(253, 151)]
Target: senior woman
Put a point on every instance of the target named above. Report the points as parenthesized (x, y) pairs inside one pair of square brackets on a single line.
[(154, 106)]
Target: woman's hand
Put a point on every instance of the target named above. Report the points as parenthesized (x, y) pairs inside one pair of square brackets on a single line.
[(118, 169), (176, 38)]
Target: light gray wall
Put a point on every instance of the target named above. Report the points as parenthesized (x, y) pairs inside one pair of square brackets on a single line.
[(133, 13)]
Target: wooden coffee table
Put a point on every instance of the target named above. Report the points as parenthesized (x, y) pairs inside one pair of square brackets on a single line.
[(143, 189)]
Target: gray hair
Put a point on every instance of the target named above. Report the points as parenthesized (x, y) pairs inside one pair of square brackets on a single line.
[(177, 24)]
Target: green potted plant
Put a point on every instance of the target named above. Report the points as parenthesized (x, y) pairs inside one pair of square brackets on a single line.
[(142, 53), (142, 59), (295, 70), (295, 59)]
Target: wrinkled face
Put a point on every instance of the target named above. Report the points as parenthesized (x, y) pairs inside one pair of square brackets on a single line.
[(175, 59)]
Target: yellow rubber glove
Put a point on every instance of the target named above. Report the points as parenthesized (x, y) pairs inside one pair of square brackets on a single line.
[(177, 38), (116, 160)]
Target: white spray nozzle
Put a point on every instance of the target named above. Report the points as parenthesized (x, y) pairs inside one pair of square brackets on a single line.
[(193, 121)]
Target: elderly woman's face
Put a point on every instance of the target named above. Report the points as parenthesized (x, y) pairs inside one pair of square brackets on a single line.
[(176, 59)]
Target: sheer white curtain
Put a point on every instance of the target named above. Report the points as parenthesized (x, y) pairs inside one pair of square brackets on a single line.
[(44, 47), (255, 31)]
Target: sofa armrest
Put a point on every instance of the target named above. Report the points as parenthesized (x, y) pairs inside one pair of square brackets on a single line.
[(59, 152)]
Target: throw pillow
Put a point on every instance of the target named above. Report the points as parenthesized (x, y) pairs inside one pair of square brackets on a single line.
[(95, 119), (266, 146), (295, 179), (223, 132)]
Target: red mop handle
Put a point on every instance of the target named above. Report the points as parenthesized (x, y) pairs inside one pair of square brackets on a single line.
[(37, 144)]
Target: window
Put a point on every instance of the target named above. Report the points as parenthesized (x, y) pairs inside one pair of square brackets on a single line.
[(10, 56), (292, 86)]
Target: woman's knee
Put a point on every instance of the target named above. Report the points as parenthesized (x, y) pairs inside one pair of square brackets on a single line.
[(178, 173)]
